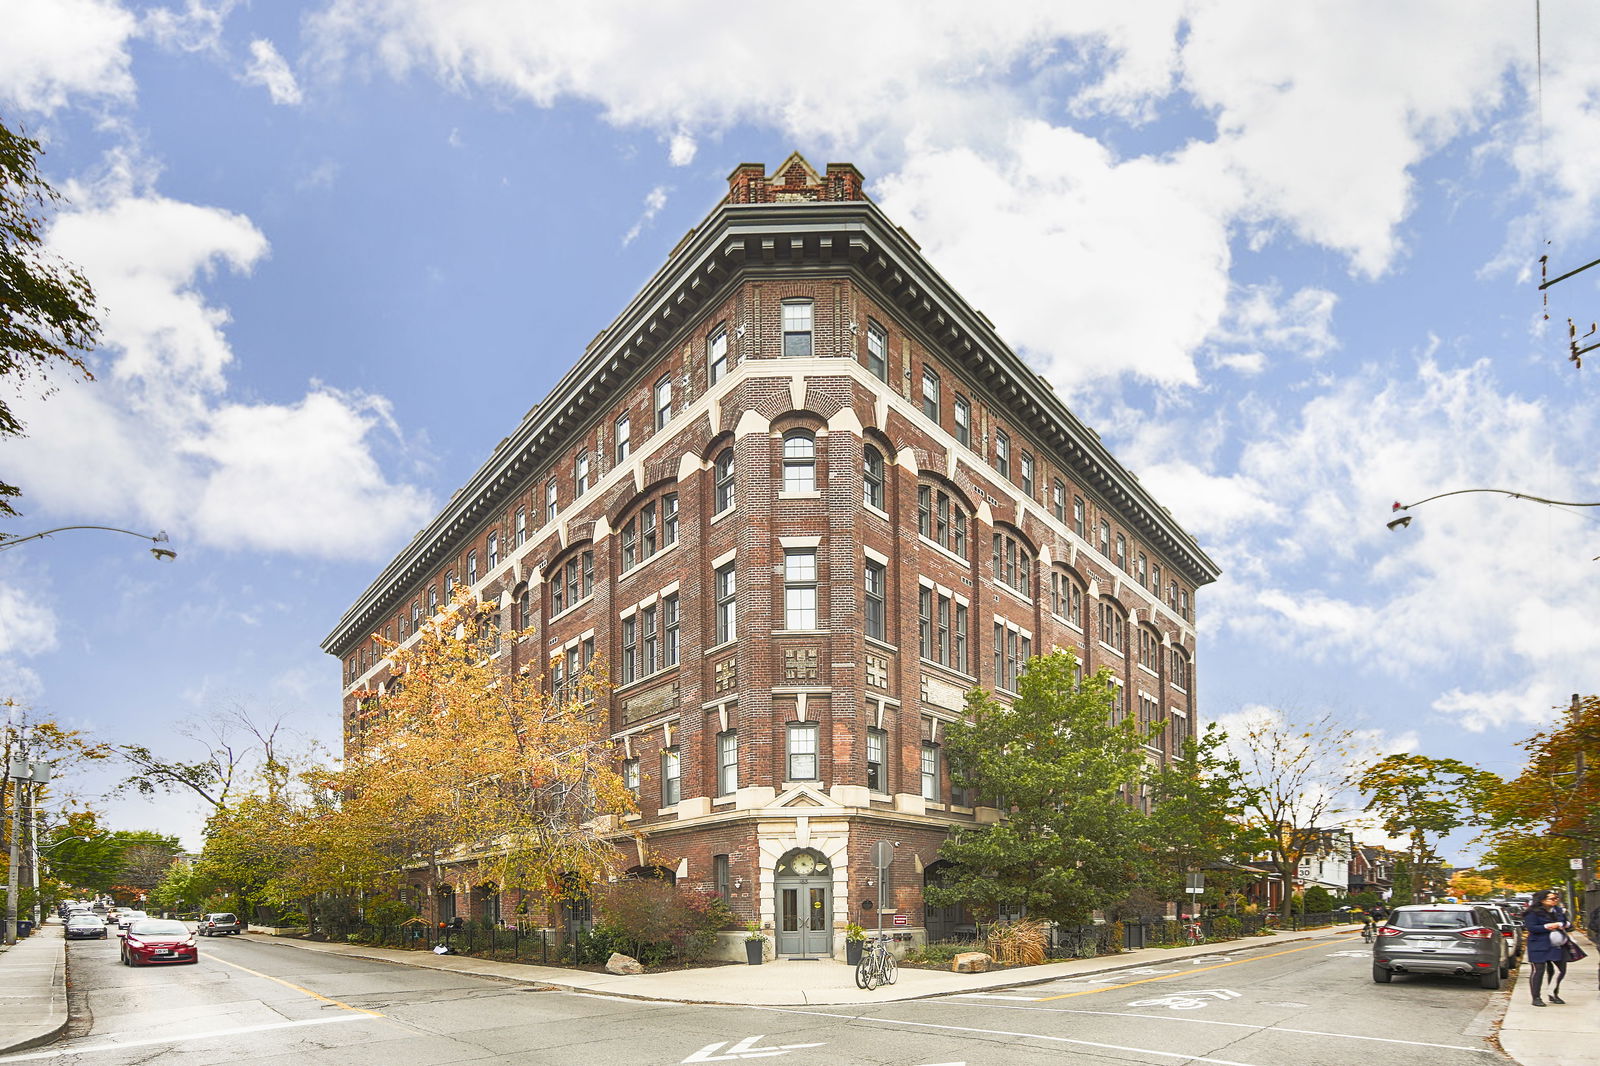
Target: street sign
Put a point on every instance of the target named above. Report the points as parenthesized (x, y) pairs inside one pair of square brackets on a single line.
[(1194, 891), (902, 919), (1576, 864), (1195, 882), (882, 854)]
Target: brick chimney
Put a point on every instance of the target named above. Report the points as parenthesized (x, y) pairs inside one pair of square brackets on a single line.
[(795, 181)]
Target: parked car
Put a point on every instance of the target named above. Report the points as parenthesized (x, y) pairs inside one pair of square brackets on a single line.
[(85, 926), (1462, 939), (219, 924), (1515, 933), (126, 918), (156, 940)]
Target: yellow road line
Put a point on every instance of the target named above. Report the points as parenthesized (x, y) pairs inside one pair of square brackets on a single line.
[(1185, 973), (290, 984)]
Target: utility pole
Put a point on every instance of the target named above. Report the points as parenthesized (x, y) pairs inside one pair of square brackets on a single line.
[(16, 772)]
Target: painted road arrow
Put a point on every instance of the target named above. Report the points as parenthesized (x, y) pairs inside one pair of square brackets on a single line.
[(1188, 1000), (744, 1049)]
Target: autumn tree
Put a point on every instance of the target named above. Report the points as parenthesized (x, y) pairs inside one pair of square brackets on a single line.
[(462, 761), (1070, 842), (1198, 818), (1422, 799), (1297, 776), (241, 747), (1550, 812), (47, 318)]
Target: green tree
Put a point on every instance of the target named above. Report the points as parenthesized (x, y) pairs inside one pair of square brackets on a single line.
[(1198, 822), (47, 315), (181, 890), (1422, 799), (1070, 841)]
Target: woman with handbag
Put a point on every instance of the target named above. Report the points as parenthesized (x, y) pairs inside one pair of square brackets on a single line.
[(1548, 929)]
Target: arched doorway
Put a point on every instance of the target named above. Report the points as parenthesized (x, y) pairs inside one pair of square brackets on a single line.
[(804, 883)]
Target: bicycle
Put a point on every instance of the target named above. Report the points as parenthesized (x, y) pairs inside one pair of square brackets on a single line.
[(1193, 934), (1369, 930), (877, 965)]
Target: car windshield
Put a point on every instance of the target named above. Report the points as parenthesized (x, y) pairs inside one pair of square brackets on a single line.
[(1432, 919), (159, 927), (222, 917), (84, 919)]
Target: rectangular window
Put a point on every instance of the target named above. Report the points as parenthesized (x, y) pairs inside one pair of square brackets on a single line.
[(630, 776), (925, 621), (963, 413), (877, 351), (717, 356), (1058, 500), (930, 772), (797, 328), (727, 763), (1027, 474), (1122, 553), (1183, 605), (1155, 579), (494, 550), (650, 642), (669, 777), (930, 393), (1078, 526), (1012, 648), (663, 401), (942, 628), (876, 607), (1002, 453), (1141, 570), (669, 623), (727, 626), (724, 481), (472, 567), (877, 760), (580, 472), (800, 590), (1105, 538), (522, 526), (630, 648), (550, 501), (723, 884), (624, 438), (802, 751)]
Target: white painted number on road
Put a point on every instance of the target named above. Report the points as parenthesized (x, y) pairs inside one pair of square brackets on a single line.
[(1188, 1000), (744, 1049), (1348, 954)]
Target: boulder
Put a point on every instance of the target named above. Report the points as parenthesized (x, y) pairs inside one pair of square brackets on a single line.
[(620, 963), (971, 962)]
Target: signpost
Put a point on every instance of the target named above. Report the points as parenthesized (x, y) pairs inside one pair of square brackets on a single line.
[(882, 856)]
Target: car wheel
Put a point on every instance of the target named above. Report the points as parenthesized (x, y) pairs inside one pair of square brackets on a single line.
[(1380, 975), (1490, 980)]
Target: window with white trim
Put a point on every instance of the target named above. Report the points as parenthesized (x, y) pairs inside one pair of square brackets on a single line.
[(550, 500), (963, 417), (797, 328), (433, 599), (930, 772), (801, 752), (799, 461), (472, 567), (877, 351), (630, 776), (653, 528), (717, 355), (727, 763), (572, 582), (1178, 669), (580, 471), (1011, 563), (942, 519), (1058, 499), (727, 624), (1141, 570), (1012, 650), (670, 782), (622, 437), (492, 550), (522, 526), (1121, 558), (1027, 474), (1002, 453), (876, 600), (872, 477), (877, 760), (663, 401), (1105, 538), (723, 474), (800, 589), (449, 583), (942, 628), (930, 393)]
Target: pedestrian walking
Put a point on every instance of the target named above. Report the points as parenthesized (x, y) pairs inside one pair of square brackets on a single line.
[(1548, 929)]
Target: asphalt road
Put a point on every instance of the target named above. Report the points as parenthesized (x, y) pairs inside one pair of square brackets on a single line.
[(244, 1002)]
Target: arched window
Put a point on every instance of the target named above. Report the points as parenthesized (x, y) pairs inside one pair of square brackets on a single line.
[(799, 461), (1113, 627), (572, 582), (653, 528), (1011, 562), (1150, 649), (1178, 672), (1066, 596), (872, 472), (724, 481), (942, 519), (523, 598), (449, 584)]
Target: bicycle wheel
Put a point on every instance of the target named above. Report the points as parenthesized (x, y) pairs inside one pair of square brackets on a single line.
[(861, 969), (891, 970), (874, 973)]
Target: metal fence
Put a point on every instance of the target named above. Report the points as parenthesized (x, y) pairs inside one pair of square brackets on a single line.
[(534, 945), (1092, 939)]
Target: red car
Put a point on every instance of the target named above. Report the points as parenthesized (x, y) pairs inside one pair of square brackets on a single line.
[(158, 940)]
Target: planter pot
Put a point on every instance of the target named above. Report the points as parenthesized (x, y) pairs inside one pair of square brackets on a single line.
[(852, 951), (753, 950)]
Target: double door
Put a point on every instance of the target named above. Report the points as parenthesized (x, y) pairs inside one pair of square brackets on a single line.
[(805, 916)]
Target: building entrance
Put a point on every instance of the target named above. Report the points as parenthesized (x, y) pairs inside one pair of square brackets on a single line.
[(804, 882)]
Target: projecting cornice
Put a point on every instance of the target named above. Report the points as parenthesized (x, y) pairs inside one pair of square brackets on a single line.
[(740, 241)]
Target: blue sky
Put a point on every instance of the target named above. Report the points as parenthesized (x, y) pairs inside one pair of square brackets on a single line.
[(1282, 257)]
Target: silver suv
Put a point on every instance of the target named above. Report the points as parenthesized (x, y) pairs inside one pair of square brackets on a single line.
[(1462, 939), (218, 924)]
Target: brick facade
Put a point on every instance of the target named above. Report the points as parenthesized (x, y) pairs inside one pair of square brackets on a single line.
[(881, 322)]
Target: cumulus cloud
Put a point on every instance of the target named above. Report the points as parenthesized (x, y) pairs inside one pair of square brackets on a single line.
[(158, 435), (654, 201), (52, 52), (27, 622), (268, 69)]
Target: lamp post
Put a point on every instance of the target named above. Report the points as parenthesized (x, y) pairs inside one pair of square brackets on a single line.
[(1405, 520), (157, 539)]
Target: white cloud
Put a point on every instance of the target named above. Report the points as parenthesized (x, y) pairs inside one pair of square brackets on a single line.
[(267, 68), (52, 51), (27, 622), (681, 150), (654, 201), (195, 28), (1256, 321), (158, 440)]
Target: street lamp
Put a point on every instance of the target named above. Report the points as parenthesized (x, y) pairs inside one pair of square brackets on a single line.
[(1405, 520), (158, 539)]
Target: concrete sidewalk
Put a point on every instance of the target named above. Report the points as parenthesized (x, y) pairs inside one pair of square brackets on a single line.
[(33, 989), (1556, 1035)]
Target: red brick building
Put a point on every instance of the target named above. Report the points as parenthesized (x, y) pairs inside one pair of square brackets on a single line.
[(802, 497)]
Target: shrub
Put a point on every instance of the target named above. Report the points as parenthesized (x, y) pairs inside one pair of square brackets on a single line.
[(1227, 927), (657, 921), (1019, 943), (382, 910), (940, 954)]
